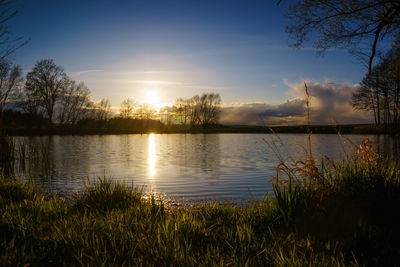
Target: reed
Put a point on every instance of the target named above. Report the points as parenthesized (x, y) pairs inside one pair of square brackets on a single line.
[(350, 219), (6, 153), (28, 154), (21, 153)]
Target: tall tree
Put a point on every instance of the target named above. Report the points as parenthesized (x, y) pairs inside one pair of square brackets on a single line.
[(379, 92), (127, 109), (8, 44), (102, 110), (46, 83), (30, 105), (145, 112), (206, 109), (183, 110), (344, 24), (74, 103), (10, 81), (367, 97)]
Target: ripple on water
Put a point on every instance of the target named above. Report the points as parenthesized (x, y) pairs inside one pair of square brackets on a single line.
[(177, 166)]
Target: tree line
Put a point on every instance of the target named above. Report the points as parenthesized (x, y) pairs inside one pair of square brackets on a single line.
[(49, 93), (379, 91), (197, 111)]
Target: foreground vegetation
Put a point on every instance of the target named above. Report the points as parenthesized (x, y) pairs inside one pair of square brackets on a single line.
[(344, 214)]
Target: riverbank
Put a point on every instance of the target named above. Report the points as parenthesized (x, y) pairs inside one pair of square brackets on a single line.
[(341, 214), (301, 129)]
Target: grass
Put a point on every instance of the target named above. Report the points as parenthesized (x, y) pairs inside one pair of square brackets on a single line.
[(348, 215)]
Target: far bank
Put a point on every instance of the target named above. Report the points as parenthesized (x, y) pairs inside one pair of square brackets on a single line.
[(14, 130)]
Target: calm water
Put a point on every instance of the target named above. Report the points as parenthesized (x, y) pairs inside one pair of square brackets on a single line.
[(177, 166)]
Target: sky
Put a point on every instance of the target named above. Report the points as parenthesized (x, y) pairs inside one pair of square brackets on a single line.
[(124, 49)]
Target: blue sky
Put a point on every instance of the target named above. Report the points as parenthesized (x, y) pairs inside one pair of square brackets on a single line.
[(122, 49)]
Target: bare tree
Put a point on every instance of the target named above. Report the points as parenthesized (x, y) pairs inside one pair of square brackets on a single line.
[(46, 83), (74, 103), (184, 110), (102, 110), (166, 116), (145, 112), (127, 109), (379, 92), (10, 76), (8, 42), (10, 81), (206, 109), (344, 24), (365, 98), (30, 105)]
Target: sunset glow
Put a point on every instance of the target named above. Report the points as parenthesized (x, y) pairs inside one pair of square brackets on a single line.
[(152, 98)]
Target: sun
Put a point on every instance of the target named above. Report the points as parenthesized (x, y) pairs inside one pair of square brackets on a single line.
[(152, 98)]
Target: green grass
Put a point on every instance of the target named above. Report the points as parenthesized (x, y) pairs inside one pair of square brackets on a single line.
[(350, 218)]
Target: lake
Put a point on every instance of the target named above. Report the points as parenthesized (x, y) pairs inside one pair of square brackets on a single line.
[(178, 166)]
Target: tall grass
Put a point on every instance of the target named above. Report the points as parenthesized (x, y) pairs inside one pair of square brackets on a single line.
[(349, 219), (351, 202), (32, 154)]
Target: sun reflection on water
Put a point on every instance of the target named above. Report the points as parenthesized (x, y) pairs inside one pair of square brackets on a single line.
[(152, 155)]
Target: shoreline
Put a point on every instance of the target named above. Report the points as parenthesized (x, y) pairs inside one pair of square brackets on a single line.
[(300, 129)]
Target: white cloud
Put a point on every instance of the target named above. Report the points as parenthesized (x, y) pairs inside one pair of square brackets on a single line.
[(329, 103), (258, 113), (79, 73)]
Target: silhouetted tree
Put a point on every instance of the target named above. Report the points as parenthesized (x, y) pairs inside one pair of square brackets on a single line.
[(205, 109), (184, 110), (102, 110), (74, 103), (10, 81), (367, 98), (8, 44), (344, 24), (46, 83), (166, 117), (145, 112), (379, 92), (127, 109), (198, 110), (30, 105)]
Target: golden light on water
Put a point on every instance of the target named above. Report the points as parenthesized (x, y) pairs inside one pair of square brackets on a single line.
[(152, 155)]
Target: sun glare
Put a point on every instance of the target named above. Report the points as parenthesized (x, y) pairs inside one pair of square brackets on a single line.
[(152, 98)]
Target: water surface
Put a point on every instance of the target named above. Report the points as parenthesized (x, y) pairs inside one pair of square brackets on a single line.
[(178, 166)]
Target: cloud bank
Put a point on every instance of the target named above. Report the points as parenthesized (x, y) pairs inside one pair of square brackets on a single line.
[(329, 104)]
